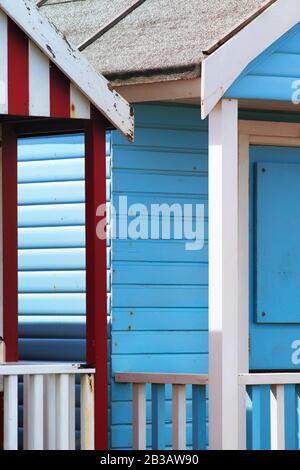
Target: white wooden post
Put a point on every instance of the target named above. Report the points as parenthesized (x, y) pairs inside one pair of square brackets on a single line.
[(179, 417), (87, 407), (223, 277), (139, 416), (50, 412), (62, 412), (277, 417), (11, 412)]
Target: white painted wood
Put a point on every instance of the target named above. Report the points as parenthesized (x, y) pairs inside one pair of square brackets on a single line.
[(43, 369), (72, 410), (62, 412), (270, 379), (71, 62), (87, 410), (39, 82), (179, 379), (277, 417), (11, 413), (26, 411), (223, 277), (222, 67), (80, 105), (3, 64), (243, 281), (36, 425), (139, 416), (178, 417), (50, 412)]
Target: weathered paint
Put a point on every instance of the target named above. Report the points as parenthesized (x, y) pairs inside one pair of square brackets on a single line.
[(20, 24)]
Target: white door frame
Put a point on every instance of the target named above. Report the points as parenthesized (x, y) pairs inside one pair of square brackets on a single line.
[(229, 145)]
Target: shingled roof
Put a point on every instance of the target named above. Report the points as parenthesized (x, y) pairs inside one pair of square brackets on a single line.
[(160, 40)]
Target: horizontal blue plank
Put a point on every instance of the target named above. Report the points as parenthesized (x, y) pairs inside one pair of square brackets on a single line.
[(51, 237), (52, 215), (156, 273), (160, 296), (47, 171), (52, 349), (122, 206), (159, 342), (157, 250), (166, 363), (168, 138), (53, 259), (260, 87), (126, 181), (279, 64), (159, 319), (51, 304), (51, 147), (51, 193), (51, 281), (38, 327), (156, 159)]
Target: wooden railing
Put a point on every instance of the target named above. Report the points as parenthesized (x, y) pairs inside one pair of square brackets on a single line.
[(276, 385), (179, 418), (48, 406)]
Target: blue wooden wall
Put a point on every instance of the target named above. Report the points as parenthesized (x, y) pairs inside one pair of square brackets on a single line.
[(51, 219), (274, 74), (159, 290)]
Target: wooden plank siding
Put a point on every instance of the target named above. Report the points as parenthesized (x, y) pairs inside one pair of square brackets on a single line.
[(159, 290), (274, 74), (51, 220)]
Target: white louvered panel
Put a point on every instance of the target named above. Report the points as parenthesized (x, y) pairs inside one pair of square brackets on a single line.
[(3, 64)]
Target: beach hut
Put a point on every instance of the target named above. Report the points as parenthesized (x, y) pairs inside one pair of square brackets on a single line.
[(215, 87), (47, 87)]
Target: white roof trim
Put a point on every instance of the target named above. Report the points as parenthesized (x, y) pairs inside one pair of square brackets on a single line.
[(223, 67), (71, 62)]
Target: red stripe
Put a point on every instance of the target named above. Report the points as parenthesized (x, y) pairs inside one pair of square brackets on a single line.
[(10, 244), (96, 277), (59, 93), (18, 71)]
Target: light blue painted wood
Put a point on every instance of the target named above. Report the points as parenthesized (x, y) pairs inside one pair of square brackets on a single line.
[(271, 75), (51, 237), (158, 417), (272, 343), (160, 319), (199, 418), (159, 290), (51, 193), (278, 244), (260, 436)]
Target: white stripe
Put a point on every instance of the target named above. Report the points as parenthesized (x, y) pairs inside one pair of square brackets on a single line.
[(80, 105), (3, 64), (39, 82)]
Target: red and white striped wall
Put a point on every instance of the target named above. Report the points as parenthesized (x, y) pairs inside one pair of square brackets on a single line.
[(30, 84)]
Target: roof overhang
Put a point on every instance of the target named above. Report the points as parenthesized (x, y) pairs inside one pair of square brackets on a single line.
[(72, 63), (224, 66)]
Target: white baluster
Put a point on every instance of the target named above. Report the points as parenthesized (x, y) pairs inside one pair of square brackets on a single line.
[(179, 417), (26, 411), (87, 412), (139, 416), (50, 412), (36, 425), (11, 412), (277, 417), (62, 412), (72, 416)]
